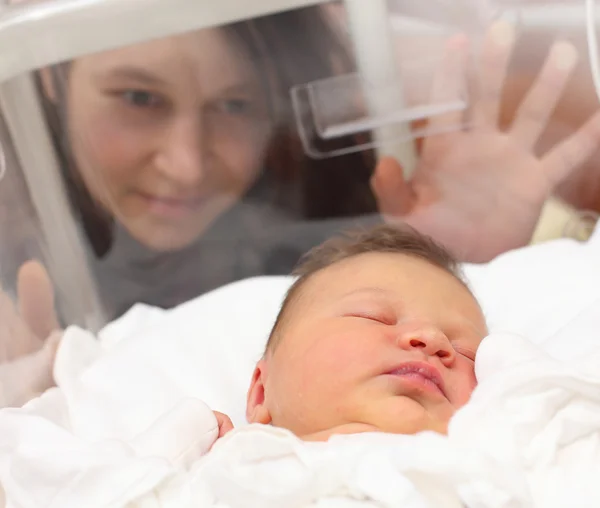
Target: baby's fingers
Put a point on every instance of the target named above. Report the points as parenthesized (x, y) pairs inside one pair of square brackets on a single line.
[(225, 423)]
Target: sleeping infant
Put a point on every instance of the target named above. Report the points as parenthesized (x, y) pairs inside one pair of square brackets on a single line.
[(378, 333)]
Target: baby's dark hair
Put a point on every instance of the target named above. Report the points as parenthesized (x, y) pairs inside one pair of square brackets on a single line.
[(394, 239)]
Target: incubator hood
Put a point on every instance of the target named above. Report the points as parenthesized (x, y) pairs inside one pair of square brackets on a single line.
[(335, 85)]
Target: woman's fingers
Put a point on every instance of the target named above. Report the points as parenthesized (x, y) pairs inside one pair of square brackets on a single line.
[(533, 114), (493, 67), (36, 299), (16, 339), (393, 194), (575, 150), (448, 89), (28, 376), (25, 329)]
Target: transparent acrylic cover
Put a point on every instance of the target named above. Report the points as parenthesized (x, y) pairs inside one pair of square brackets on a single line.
[(157, 171)]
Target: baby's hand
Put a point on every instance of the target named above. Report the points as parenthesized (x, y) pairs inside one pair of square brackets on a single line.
[(349, 428), (225, 424)]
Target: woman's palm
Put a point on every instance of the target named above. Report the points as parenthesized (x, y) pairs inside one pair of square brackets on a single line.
[(478, 189)]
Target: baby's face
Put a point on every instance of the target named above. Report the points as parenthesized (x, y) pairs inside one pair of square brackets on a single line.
[(384, 340)]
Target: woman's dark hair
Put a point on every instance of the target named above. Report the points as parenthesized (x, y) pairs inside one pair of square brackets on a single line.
[(295, 47)]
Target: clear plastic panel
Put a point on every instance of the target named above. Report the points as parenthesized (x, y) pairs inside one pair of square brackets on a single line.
[(20, 230), (338, 108), (156, 172)]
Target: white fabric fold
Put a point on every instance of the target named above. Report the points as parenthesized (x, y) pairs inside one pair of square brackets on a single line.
[(129, 432)]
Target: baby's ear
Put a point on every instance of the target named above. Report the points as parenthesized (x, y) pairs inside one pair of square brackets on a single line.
[(256, 408)]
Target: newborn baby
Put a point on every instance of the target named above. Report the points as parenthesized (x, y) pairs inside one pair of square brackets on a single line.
[(379, 333)]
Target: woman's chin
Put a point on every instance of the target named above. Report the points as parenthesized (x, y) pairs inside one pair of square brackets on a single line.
[(163, 238)]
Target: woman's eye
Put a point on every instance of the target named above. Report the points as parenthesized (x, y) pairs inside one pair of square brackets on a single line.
[(141, 99), (234, 106)]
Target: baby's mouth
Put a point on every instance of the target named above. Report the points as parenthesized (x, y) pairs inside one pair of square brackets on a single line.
[(421, 374)]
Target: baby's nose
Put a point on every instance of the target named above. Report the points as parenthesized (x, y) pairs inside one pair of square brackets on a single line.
[(430, 340)]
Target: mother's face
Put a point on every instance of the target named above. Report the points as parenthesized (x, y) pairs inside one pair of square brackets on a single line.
[(168, 134)]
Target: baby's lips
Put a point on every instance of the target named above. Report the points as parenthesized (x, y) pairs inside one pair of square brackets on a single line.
[(423, 369)]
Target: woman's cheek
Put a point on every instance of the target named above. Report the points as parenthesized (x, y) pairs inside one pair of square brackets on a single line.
[(110, 154)]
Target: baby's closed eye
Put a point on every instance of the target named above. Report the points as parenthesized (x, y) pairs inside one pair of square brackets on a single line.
[(379, 315), (468, 353)]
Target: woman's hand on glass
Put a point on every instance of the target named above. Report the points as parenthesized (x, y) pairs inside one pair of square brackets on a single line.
[(30, 375), (480, 190), (29, 337)]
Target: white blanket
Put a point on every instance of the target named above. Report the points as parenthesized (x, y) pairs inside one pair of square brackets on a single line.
[(118, 434)]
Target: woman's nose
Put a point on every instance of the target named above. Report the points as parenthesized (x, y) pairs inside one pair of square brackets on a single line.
[(182, 156), (430, 340)]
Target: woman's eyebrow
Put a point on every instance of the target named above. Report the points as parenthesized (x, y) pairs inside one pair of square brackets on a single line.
[(135, 74), (242, 86)]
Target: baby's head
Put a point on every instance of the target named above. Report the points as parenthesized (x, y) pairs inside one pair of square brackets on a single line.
[(379, 329)]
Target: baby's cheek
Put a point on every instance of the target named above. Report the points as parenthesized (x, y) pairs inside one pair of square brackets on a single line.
[(320, 374), (337, 357), (465, 383)]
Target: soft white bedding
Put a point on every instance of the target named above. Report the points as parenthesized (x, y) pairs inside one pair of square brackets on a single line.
[(530, 437), (539, 292), (127, 424)]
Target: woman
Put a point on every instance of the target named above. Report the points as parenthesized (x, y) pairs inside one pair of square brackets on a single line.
[(183, 163)]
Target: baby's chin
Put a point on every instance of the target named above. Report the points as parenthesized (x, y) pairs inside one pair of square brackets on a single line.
[(407, 416), (439, 426), (404, 428), (397, 415)]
